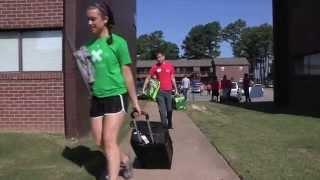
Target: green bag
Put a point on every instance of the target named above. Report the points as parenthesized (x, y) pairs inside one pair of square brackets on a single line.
[(153, 89), (180, 102)]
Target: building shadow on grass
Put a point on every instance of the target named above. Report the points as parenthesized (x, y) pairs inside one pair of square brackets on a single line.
[(93, 161), (271, 107)]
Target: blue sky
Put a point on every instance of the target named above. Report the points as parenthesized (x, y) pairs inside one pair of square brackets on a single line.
[(176, 17)]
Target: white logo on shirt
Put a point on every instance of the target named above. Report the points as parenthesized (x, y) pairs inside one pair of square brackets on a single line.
[(158, 70), (96, 55)]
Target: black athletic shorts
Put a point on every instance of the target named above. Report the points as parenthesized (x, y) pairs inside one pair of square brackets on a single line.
[(108, 105)]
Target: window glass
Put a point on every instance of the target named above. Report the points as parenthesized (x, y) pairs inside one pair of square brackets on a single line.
[(9, 45), (42, 51)]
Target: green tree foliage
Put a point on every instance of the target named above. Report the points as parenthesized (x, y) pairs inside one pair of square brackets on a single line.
[(149, 44), (203, 41), (256, 44), (232, 33)]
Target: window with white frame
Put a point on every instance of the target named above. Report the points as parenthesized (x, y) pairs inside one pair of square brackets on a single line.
[(31, 51)]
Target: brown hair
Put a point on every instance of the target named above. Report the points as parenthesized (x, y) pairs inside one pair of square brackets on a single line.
[(105, 10)]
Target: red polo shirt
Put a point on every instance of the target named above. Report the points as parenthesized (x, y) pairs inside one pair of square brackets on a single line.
[(216, 85), (163, 72), (224, 84)]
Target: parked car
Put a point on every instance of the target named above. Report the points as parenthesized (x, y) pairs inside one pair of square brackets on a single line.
[(236, 92), (256, 91)]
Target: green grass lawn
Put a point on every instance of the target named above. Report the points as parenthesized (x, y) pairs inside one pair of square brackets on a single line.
[(262, 145), (49, 157)]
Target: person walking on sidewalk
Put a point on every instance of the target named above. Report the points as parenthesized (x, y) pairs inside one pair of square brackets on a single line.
[(215, 90), (225, 86), (246, 86), (165, 73), (185, 85), (111, 89)]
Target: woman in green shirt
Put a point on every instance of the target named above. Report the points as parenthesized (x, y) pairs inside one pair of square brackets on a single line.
[(113, 84)]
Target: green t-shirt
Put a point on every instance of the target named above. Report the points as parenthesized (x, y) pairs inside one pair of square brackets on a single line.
[(109, 80)]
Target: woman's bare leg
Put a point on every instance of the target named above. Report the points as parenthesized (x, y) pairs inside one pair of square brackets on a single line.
[(96, 130), (111, 127)]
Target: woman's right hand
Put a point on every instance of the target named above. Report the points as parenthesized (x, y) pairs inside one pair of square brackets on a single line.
[(137, 108)]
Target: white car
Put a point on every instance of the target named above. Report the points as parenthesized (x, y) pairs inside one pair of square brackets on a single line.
[(235, 92)]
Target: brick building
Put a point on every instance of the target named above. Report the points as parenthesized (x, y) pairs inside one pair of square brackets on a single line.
[(232, 67), (205, 68), (31, 77), (40, 87)]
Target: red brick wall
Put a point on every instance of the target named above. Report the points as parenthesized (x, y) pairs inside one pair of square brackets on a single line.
[(231, 71), (22, 14), (32, 102)]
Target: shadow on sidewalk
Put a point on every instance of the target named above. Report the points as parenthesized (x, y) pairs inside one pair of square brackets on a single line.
[(271, 107), (93, 161)]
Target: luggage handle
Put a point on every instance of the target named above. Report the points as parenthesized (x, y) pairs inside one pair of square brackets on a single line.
[(134, 114)]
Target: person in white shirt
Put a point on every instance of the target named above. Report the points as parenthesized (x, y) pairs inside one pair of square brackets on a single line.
[(185, 85)]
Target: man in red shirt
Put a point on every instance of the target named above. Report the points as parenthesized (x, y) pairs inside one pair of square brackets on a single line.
[(226, 88), (164, 71)]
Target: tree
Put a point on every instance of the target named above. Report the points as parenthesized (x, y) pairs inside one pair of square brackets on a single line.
[(193, 44), (265, 49), (149, 44), (213, 33), (203, 41), (171, 50), (231, 34), (256, 45)]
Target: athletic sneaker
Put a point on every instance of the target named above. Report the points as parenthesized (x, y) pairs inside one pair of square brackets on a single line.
[(126, 170)]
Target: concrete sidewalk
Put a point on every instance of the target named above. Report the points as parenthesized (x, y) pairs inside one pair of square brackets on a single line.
[(194, 158)]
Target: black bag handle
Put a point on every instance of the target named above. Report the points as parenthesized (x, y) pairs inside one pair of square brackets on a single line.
[(134, 115)]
